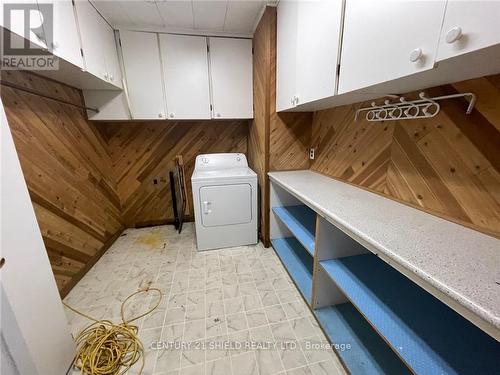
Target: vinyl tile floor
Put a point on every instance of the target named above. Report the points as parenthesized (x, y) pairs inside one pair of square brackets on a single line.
[(229, 311)]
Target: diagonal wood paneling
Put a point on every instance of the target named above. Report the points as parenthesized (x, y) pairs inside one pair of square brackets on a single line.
[(277, 141), (142, 152), (68, 173), (448, 165)]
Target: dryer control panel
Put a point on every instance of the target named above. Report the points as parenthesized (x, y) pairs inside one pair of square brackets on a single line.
[(220, 161)]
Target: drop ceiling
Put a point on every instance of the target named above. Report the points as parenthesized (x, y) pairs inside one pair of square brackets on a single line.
[(206, 17)]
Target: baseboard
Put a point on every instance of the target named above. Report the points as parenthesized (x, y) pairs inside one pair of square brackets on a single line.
[(70, 284)]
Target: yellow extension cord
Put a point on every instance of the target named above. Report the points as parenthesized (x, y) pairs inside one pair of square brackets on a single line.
[(106, 348)]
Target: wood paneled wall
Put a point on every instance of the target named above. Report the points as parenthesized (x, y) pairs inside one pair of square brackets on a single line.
[(258, 139), (448, 165), (142, 152), (277, 141), (68, 173)]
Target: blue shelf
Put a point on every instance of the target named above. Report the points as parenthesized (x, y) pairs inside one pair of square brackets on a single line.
[(429, 336), (368, 353), (298, 263), (301, 221)]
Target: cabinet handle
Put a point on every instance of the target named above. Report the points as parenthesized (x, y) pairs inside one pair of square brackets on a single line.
[(296, 100), (160, 115), (292, 100), (218, 114), (111, 77), (416, 55), (106, 75), (171, 115), (55, 45), (453, 35)]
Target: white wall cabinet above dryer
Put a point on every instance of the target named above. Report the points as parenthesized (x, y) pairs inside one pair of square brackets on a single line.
[(231, 78), (185, 68), (143, 72), (469, 26), (385, 40), (308, 48)]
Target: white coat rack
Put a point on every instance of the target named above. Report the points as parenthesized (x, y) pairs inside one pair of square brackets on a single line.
[(408, 110)]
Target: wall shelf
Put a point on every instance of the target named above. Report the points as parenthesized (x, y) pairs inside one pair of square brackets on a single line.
[(301, 221), (429, 336), (298, 263), (369, 354)]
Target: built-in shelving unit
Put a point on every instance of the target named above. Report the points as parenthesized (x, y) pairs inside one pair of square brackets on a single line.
[(429, 337), (398, 285), (301, 221), (298, 263), (367, 352)]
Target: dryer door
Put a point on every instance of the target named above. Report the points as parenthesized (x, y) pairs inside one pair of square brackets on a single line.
[(225, 204)]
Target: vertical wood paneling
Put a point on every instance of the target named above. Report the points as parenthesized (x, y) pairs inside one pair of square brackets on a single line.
[(258, 138), (448, 165), (68, 173), (143, 152)]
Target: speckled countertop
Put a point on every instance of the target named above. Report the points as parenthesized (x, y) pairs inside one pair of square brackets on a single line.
[(460, 262)]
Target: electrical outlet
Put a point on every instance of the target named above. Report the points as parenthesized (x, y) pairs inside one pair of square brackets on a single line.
[(311, 153)]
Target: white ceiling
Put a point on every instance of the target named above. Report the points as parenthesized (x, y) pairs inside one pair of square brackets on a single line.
[(224, 17)]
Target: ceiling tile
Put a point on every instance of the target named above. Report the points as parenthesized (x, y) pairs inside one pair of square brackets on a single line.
[(209, 15), (176, 13), (241, 16), (113, 12)]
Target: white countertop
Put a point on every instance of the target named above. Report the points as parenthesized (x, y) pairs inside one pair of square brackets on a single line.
[(460, 262)]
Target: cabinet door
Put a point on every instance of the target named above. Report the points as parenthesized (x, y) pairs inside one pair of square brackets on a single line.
[(469, 26), (16, 13), (141, 60), (286, 54), (89, 21), (185, 69), (384, 40), (66, 42), (231, 77), (318, 48), (113, 72)]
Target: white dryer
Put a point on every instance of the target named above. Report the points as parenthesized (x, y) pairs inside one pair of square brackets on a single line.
[(225, 201)]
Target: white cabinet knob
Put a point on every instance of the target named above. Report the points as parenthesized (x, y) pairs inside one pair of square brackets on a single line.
[(55, 45), (160, 115), (171, 115), (415, 55), (111, 77), (296, 100), (106, 76), (292, 100), (218, 114), (453, 35)]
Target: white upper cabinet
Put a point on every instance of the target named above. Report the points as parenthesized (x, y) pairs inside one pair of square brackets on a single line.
[(469, 26), (65, 40), (185, 68), (143, 73), (286, 54), (98, 44), (385, 40), (308, 47), (231, 78), (317, 57), (12, 17), (113, 72), (90, 23)]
